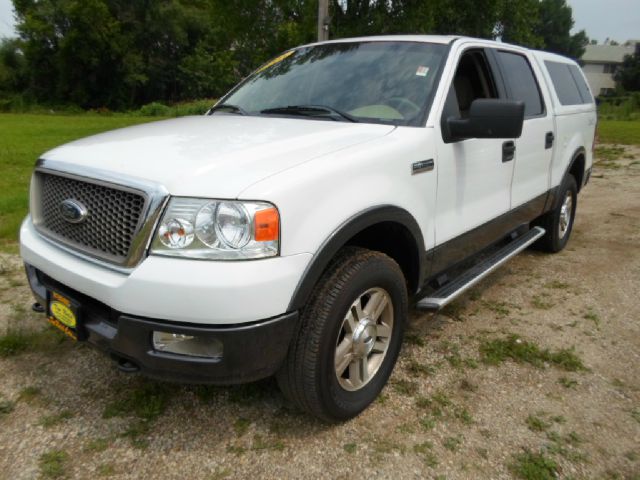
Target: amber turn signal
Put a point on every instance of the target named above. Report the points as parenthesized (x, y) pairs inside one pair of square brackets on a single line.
[(267, 225)]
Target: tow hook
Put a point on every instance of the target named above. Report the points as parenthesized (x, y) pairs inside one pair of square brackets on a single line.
[(37, 307), (125, 365)]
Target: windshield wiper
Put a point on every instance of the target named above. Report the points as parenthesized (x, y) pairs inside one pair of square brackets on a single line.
[(230, 107), (310, 111)]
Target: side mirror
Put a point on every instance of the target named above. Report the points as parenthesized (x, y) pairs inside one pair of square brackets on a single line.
[(489, 118)]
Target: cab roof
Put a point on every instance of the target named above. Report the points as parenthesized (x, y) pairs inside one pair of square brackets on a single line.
[(442, 40)]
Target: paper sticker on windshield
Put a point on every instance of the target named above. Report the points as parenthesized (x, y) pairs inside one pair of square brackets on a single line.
[(278, 59), (422, 71)]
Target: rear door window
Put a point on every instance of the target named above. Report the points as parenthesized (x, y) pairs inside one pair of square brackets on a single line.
[(564, 83), (582, 85), (521, 82)]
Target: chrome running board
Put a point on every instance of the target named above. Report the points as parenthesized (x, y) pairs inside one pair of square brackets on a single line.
[(469, 278)]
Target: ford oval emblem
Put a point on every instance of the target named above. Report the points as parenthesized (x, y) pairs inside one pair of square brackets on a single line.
[(73, 211)]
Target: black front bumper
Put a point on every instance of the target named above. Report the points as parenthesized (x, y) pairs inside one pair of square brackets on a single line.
[(250, 351)]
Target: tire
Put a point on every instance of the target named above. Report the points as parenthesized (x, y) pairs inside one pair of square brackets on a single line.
[(328, 333), (558, 222)]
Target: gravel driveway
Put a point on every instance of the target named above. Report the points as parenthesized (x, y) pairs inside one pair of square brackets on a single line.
[(535, 370)]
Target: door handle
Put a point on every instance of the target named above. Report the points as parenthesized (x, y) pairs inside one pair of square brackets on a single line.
[(508, 151), (548, 140)]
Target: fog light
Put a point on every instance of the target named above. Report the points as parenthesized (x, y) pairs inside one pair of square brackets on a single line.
[(193, 346)]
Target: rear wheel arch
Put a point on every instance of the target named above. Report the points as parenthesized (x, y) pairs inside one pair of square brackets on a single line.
[(577, 166), (388, 229)]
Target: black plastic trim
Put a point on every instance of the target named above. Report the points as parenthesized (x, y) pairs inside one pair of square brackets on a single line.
[(456, 250), (251, 351), (346, 231), (580, 151), (553, 192)]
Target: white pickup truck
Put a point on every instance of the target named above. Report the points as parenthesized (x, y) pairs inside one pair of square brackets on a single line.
[(288, 230)]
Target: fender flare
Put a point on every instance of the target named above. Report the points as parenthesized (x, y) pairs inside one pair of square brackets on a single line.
[(552, 199), (580, 151), (341, 235)]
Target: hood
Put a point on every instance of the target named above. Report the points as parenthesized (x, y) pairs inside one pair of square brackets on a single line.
[(213, 156)]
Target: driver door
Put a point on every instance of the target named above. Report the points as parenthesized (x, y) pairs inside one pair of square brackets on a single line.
[(474, 177)]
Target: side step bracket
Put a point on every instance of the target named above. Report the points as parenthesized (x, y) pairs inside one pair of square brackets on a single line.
[(469, 278)]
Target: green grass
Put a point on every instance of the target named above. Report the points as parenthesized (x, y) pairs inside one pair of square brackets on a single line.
[(147, 401), (106, 470), (262, 444), (23, 138), (609, 153), (6, 407), (13, 343), (568, 382), (241, 425), (619, 131), (405, 387), (496, 351), (437, 406), (417, 369), (593, 316), (425, 451), (16, 341), (30, 394), (533, 466), (414, 339), (48, 421), (350, 447), (557, 285), (540, 303), (53, 464), (97, 445), (537, 424), (452, 443)]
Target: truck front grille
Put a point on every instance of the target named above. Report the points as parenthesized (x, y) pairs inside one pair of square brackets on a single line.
[(114, 215)]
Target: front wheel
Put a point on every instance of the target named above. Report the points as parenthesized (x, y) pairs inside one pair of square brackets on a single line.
[(349, 336)]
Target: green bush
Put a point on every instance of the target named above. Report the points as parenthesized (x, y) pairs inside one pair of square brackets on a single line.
[(196, 107), (23, 104), (155, 109), (620, 108)]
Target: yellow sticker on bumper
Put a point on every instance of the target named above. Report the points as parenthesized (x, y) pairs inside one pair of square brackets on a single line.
[(63, 314)]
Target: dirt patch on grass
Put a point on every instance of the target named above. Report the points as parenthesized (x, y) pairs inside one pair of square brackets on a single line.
[(533, 374)]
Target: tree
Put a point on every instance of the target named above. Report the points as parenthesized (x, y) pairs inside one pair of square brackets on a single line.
[(517, 21), (628, 74), (554, 27), (123, 53), (12, 66)]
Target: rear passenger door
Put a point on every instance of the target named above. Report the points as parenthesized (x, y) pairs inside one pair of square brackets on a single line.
[(534, 149)]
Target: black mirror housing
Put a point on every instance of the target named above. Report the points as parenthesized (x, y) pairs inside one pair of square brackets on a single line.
[(489, 118)]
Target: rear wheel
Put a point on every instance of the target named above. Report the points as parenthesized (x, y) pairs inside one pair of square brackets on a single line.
[(349, 336), (558, 222)]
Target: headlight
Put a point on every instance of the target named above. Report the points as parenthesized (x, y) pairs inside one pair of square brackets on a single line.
[(217, 229)]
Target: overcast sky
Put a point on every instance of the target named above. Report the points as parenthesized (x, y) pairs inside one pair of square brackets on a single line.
[(616, 19)]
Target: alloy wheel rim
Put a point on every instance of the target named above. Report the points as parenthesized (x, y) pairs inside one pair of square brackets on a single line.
[(364, 338), (565, 215)]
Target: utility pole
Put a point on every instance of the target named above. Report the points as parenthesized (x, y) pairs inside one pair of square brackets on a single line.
[(323, 20)]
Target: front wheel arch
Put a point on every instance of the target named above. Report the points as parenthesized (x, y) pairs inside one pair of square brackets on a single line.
[(364, 230)]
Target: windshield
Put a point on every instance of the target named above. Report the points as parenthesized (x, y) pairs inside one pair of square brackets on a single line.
[(379, 82)]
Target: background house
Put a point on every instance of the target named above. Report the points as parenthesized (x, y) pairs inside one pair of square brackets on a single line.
[(600, 63)]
